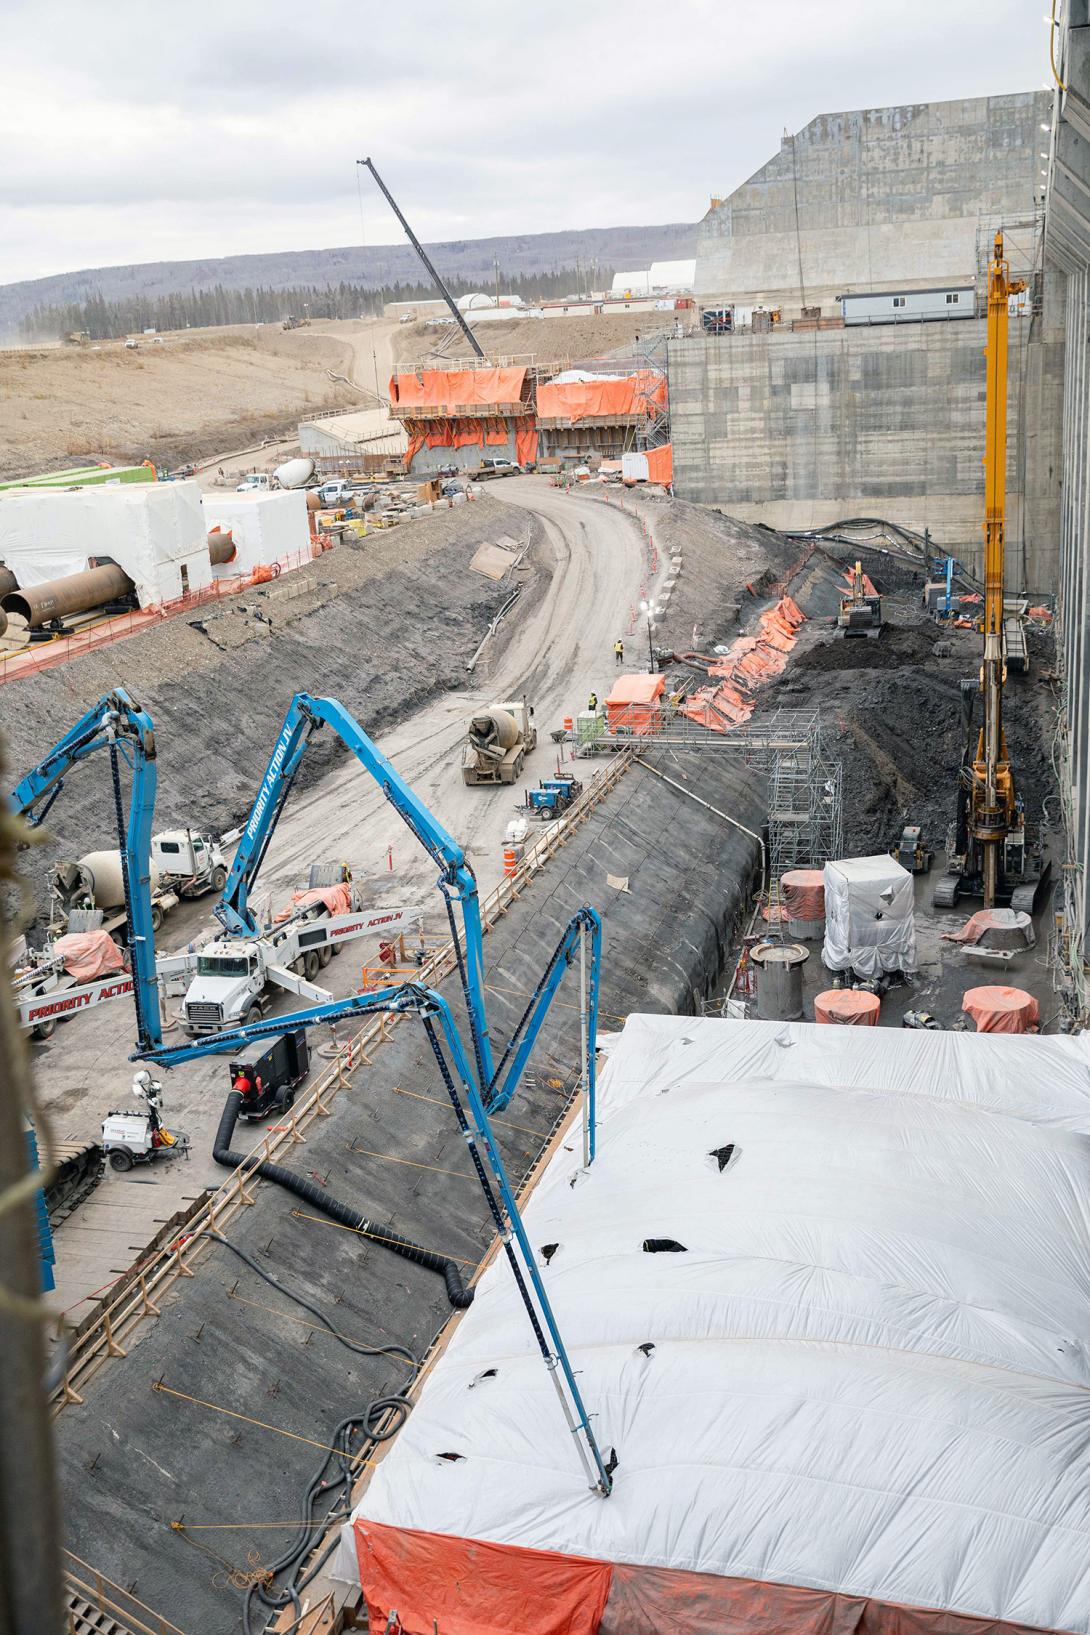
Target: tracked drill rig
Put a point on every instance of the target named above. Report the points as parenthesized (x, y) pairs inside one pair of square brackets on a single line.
[(989, 854)]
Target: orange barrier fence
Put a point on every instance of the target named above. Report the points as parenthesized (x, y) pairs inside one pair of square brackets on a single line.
[(114, 627)]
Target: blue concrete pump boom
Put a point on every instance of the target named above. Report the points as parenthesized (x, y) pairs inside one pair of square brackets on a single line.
[(116, 723), (305, 717)]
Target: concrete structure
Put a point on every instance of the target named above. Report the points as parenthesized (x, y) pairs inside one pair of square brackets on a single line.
[(878, 198), (1067, 268), (364, 440), (801, 427)]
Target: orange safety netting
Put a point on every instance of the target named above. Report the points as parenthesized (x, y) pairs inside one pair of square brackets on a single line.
[(577, 400), (660, 464), (1001, 1010), (848, 1007), (448, 388), (337, 899), (471, 1587), (752, 660), (89, 954), (804, 894)]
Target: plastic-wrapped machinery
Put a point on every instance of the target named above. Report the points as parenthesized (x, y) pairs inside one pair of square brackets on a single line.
[(869, 925)]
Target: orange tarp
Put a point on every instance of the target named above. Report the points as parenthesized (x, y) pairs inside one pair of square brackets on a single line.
[(1001, 1010), (446, 388), (752, 660), (468, 1587), (848, 1007), (337, 899), (660, 464), (804, 894), (526, 441), (89, 954), (577, 400), (635, 705)]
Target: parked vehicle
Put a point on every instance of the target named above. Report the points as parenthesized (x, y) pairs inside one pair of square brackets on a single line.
[(269, 1072), (338, 491), (258, 482), (498, 741)]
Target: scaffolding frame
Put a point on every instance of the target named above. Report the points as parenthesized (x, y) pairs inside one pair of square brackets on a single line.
[(805, 782)]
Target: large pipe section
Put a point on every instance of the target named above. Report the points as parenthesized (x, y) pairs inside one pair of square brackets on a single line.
[(8, 581), (221, 546), (77, 593), (311, 1193)]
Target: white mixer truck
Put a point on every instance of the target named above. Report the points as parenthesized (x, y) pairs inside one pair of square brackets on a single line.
[(184, 863), (498, 742)]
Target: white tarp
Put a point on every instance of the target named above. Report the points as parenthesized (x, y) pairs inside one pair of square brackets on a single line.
[(869, 924), (151, 530), (869, 1368), (266, 528)]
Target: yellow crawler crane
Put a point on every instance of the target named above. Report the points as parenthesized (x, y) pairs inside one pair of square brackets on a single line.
[(990, 852)]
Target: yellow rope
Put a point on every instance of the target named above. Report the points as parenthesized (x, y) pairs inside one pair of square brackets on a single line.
[(290, 1317), (293, 1436), (376, 1237), (418, 1095), (458, 1174)]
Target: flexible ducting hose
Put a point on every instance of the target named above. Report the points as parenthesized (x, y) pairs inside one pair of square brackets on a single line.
[(457, 1292)]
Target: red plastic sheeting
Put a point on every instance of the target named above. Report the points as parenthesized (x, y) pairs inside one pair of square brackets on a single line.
[(751, 661), (89, 954), (985, 919), (1001, 1010), (653, 1600), (579, 400), (466, 1587), (803, 894), (847, 1007), (446, 388), (660, 464), (337, 899)]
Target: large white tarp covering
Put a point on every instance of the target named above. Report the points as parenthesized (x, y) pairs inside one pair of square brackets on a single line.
[(151, 530), (868, 1371), (266, 528), (869, 925)]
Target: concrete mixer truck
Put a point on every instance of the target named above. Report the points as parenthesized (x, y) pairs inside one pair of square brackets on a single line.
[(498, 742), (184, 863)]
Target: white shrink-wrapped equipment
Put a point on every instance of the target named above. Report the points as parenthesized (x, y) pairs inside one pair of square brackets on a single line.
[(266, 528), (869, 924), (155, 532), (826, 1293)]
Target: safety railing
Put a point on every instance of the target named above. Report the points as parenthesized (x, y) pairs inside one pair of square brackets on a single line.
[(93, 1602), (104, 1337)]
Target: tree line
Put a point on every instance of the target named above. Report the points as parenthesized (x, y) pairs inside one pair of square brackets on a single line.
[(208, 308)]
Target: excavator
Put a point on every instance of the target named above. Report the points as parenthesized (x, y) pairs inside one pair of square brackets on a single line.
[(990, 858)]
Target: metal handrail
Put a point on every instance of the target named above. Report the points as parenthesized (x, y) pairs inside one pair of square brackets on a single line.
[(96, 1597)]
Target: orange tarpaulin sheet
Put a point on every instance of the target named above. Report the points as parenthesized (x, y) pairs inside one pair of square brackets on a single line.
[(445, 388), (89, 954), (660, 464), (751, 661), (337, 899), (848, 1007), (576, 400), (1001, 1010), (467, 1587), (526, 441), (804, 894), (634, 705)]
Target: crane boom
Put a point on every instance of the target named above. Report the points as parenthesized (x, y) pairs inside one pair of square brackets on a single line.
[(992, 796), (422, 253)]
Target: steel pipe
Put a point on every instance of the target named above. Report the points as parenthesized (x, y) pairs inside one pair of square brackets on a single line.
[(8, 581), (77, 593)]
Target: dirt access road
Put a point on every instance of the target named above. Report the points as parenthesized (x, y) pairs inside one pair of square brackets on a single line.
[(555, 654)]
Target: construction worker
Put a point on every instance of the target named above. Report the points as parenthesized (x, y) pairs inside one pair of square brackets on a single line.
[(618, 650), (592, 703)]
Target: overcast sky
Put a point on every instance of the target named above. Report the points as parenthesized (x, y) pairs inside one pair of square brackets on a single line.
[(137, 132)]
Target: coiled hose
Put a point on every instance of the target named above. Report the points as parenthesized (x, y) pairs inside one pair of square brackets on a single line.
[(457, 1293)]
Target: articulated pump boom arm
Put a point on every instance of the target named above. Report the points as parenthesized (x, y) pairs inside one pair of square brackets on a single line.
[(992, 796), (118, 724), (306, 716)]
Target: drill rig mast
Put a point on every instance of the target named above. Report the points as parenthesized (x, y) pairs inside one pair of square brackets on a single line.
[(990, 846)]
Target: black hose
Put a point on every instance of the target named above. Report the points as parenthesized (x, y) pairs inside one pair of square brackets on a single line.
[(457, 1293)]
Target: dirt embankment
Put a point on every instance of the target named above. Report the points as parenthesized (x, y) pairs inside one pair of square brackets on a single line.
[(383, 627), (562, 341), (182, 398)]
